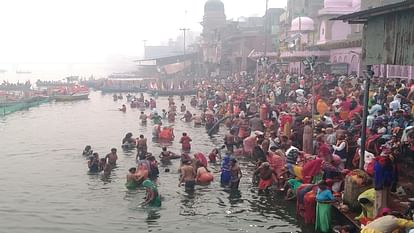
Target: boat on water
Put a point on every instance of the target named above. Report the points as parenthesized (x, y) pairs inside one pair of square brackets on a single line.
[(72, 97), (70, 93), (132, 89), (172, 92), (8, 107), (125, 83)]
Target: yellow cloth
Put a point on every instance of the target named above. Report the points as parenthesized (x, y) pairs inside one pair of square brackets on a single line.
[(369, 208), (387, 224), (297, 171)]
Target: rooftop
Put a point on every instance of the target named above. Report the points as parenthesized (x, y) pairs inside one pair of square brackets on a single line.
[(363, 16)]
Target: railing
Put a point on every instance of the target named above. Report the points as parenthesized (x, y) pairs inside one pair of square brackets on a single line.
[(304, 54)]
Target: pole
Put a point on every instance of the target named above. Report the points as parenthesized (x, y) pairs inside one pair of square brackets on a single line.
[(145, 45), (185, 59), (266, 28), (367, 80)]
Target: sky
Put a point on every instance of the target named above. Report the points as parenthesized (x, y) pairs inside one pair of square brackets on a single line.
[(40, 32)]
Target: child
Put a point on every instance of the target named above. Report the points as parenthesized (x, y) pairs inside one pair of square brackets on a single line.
[(185, 142)]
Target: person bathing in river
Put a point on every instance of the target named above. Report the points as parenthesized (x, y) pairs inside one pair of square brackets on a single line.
[(166, 155), (197, 120), (93, 163), (230, 140), (225, 176), (164, 114), (105, 167), (265, 175), (156, 130), (112, 158), (187, 116), (203, 177), (156, 118), (143, 117), (153, 170), (142, 147), (152, 198), (152, 103), (214, 154), (183, 108), (185, 142), (131, 179), (187, 175), (128, 139), (87, 151), (236, 174), (171, 116), (123, 108)]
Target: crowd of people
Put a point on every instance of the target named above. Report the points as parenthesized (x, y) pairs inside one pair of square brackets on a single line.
[(6, 86), (303, 135)]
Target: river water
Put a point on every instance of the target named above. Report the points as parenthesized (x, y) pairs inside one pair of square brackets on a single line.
[(45, 186)]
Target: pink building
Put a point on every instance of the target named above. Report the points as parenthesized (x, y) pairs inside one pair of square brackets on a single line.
[(336, 43)]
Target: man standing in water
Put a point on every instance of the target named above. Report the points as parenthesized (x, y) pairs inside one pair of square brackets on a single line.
[(112, 158), (187, 175), (143, 117), (141, 147), (236, 174), (230, 140)]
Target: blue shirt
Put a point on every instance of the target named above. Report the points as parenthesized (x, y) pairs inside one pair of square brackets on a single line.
[(325, 195)]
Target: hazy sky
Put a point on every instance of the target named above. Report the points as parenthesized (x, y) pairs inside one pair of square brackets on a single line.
[(61, 31)]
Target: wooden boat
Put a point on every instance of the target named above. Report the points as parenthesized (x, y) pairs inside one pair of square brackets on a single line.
[(122, 89), (173, 92), (14, 106), (72, 97)]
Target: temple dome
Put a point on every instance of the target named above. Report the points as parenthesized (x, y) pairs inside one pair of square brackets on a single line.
[(338, 3), (302, 24), (213, 5), (356, 3)]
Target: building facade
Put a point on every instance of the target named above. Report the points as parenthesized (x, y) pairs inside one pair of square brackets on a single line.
[(336, 44), (233, 46)]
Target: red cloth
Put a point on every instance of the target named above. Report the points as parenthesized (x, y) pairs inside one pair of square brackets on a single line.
[(263, 184), (358, 109), (310, 207), (323, 151), (310, 169), (185, 141), (201, 158)]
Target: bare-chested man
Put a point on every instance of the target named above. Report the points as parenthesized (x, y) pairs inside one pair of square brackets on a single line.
[(236, 174), (230, 140), (143, 117), (187, 175), (112, 157), (141, 147)]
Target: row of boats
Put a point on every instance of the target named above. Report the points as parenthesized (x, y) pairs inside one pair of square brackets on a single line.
[(11, 102)]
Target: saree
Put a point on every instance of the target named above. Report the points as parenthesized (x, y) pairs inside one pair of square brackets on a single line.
[(323, 217)]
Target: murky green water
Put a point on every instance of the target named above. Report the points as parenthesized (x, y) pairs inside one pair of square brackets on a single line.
[(44, 185)]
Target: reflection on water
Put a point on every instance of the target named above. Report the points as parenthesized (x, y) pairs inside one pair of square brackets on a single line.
[(45, 184)]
